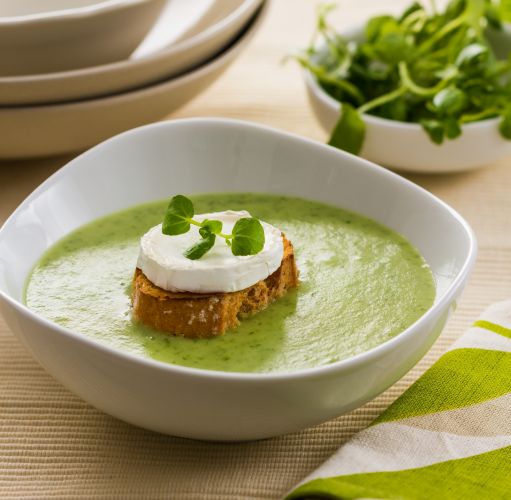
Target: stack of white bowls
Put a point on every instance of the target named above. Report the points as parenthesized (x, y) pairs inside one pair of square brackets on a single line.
[(75, 72)]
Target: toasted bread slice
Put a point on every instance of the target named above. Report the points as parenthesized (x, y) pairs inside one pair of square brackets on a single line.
[(200, 315)]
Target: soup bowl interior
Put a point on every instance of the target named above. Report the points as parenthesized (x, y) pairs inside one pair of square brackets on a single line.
[(205, 156)]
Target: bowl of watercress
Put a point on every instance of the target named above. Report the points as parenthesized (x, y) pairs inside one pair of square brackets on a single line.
[(425, 91)]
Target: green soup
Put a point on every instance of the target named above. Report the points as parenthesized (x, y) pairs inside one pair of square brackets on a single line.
[(361, 284)]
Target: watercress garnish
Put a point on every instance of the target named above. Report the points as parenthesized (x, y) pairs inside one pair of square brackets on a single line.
[(201, 247), (424, 66), (178, 216), (247, 237)]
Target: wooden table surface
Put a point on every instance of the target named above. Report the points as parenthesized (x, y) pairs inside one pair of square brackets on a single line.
[(53, 445)]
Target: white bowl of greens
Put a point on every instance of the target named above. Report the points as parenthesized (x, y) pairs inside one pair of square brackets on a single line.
[(435, 103)]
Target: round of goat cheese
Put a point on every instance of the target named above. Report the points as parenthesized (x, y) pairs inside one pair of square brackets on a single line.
[(162, 259)]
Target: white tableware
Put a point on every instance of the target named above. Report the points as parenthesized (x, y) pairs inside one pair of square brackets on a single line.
[(218, 155), (215, 14), (35, 131), (176, 22), (406, 146), (42, 36), (157, 59)]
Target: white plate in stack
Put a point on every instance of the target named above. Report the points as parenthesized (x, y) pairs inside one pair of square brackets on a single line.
[(188, 47)]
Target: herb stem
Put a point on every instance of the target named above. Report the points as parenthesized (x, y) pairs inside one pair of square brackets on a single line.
[(447, 28), (383, 99), (324, 77), (417, 89), (199, 224), (414, 17), (474, 117)]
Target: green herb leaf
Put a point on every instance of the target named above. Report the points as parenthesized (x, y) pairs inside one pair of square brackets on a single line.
[(247, 237), (504, 10), (393, 47), (495, 17), (505, 125), (376, 25), (201, 247), (178, 216), (435, 130), (414, 7), (452, 128), (210, 226), (450, 101), (349, 132), (472, 57)]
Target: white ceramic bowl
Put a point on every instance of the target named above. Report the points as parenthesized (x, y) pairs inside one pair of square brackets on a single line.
[(41, 36), (158, 58), (406, 146), (35, 131), (216, 155)]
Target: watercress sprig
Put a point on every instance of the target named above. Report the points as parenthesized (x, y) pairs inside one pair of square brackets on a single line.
[(435, 68), (246, 238)]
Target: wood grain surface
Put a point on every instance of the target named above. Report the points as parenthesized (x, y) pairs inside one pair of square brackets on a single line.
[(53, 445)]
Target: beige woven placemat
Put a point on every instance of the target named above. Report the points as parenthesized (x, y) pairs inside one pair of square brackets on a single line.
[(53, 445)]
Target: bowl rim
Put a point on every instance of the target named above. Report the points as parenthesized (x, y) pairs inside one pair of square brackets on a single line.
[(248, 30), (198, 39), (99, 7), (312, 82), (254, 377)]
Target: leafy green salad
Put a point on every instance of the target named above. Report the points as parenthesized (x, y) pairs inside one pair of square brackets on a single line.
[(426, 66)]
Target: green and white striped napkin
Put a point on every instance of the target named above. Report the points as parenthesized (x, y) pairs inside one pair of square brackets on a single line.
[(447, 437)]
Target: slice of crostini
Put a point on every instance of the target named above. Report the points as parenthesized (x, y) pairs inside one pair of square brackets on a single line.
[(202, 315)]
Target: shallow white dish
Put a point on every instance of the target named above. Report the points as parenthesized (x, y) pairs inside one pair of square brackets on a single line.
[(158, 58), (55, 35), (216, 155), (406, 146), (36, 131), (215, 14), (182, 19)]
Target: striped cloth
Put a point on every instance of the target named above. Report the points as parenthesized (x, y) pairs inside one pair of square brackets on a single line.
[(447, 437)]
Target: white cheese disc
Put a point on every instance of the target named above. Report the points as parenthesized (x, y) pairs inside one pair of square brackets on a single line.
[(161, 259)]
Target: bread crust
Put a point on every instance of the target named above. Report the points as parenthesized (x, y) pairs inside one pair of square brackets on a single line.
[(202, 315)]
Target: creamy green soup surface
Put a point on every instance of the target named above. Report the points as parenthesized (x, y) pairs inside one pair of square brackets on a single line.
[(361, 284)]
